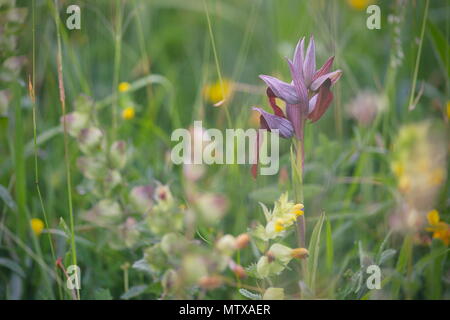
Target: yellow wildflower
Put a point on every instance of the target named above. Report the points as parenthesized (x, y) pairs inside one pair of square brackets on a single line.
[(216, 92), (398, 169), (128, 113), (279, 225), (359, 4), (298, 209), (124, 86), (433, 217), (440, 229), (37, 225), (448, 109)]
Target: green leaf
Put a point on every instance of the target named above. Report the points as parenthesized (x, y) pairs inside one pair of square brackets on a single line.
[(386, 255), (314, 248), (402, 264), (65, 228), (440, 45), (6, 197), (13, 266), (134, 292), (248, 294), (329, 247)]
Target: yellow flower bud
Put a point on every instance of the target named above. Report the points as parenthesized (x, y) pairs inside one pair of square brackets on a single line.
[(37, 225), (298, 209), (124, 86), (299, 253), (128, 113)]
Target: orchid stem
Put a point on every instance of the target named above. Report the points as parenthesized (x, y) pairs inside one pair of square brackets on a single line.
[(297, 171)]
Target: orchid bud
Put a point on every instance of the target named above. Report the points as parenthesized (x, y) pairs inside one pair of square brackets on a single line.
[(242, 240), (74, 122), (274, 294), (90, 139), (118, 154), (141, 198), (226, 244)]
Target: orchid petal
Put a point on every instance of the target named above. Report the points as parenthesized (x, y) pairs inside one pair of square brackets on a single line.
[(324, 69), (299, 83), (276, 109), (312, 103), (309, 65), (298, 55), (281, 89), (333, 76), (324, 98), (274, 122)]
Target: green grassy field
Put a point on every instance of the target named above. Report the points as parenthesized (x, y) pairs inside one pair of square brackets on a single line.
[(99, 190)]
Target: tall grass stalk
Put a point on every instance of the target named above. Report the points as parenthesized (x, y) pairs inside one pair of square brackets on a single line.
[(32, 86), (66, 141), (216, 60), (412, 103), (19, 164), (117, 59)]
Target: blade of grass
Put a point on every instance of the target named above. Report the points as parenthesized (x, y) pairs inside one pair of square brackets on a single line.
[(314, 250), (329, 247), (216, 60), (403, 261), (32, 86), (19, 164), (66, 141), (411, 104)]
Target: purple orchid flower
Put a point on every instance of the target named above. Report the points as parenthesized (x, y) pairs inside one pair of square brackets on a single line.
[(307, 96)]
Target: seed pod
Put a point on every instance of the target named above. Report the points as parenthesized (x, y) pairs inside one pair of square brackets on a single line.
[(242, 240)]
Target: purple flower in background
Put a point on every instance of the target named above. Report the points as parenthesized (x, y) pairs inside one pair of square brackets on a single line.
[(307, 96)]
